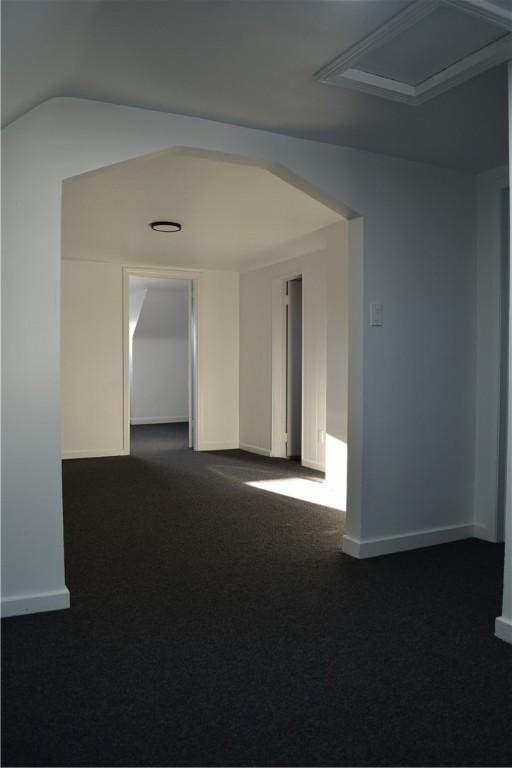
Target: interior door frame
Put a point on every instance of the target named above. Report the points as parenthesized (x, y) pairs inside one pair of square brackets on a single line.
[(294, 368), (166, 274), (279, 378), (192, 364)]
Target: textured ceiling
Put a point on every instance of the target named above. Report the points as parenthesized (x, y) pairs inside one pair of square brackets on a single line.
[(247, 62)]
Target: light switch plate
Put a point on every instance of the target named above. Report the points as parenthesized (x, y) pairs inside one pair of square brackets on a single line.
[(376, 313)]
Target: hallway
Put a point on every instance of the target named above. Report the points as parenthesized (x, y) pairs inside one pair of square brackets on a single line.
[(213, 623)]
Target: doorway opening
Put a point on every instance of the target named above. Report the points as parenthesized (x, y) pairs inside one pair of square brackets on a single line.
[(160, 340), (294, 368), (234, 270)]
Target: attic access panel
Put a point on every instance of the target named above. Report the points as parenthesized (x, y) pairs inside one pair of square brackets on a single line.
[(431, 46)]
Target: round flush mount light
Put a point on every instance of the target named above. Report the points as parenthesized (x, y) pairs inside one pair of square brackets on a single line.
[(165, 226)]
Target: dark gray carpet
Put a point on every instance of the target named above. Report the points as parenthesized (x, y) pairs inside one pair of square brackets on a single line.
[(153, 438), (216, 624)]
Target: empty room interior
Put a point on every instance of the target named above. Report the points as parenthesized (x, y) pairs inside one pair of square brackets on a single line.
[(152, 344), (256, 475)]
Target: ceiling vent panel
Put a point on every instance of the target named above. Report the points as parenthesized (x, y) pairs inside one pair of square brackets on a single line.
[(426, 49)]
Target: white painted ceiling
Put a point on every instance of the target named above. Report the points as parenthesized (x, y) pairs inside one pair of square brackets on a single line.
[(247, 62), (232, 214)]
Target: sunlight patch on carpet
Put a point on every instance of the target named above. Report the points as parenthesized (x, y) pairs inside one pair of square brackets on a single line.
[(313, 490)]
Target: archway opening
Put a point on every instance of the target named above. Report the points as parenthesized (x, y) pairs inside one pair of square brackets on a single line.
[(247, 230)]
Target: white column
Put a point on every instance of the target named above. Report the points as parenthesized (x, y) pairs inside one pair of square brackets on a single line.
[(504, 622)]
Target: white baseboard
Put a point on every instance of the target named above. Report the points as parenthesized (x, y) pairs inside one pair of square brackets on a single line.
[(91, 453), (228, 446), (36, 603), (404, 541), (254, 449), (317, 465), (503, 629), (158, 420), (482, 532)]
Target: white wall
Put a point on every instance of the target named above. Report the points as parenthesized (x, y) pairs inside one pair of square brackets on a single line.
[(488, 362), (337, 357), (92, 360), (217, 361), (418, 372), (159, 390), (324, 300), (504, 622)]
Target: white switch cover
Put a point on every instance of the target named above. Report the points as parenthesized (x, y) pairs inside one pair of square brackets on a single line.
[(376, 313)]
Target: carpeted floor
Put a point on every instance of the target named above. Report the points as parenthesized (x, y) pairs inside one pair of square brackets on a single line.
[(216, 624), (150, 439)]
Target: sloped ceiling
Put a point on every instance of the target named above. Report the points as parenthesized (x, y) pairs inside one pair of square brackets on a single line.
[(245, 62), (164, 313)]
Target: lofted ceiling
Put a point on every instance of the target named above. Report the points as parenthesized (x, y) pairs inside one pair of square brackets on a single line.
[(246, 62), (232, 214)]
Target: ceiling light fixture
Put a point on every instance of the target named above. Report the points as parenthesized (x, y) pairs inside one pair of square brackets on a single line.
[(165, 226)]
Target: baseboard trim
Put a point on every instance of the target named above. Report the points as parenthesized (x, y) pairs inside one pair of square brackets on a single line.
[(316, 465), (482, 532), (414, 540), (159, 420), (228, 446), (94, 454), (503, 629), (254, 449), (37, 603)]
